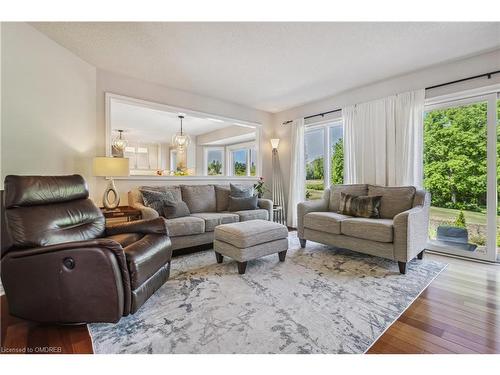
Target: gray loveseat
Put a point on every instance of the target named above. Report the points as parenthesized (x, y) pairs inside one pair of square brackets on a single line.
[(400, 234), (208, 205)]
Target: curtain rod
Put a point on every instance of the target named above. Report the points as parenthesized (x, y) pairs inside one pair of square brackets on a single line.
[(488, 75)]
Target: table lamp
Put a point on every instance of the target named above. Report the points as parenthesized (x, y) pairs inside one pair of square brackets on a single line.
[(111, 167)]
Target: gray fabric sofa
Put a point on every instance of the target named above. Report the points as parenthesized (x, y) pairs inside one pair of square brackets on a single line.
[(400, 234), (208, 205)]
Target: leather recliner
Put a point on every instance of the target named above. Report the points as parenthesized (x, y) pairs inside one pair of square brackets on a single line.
[(65, 266)]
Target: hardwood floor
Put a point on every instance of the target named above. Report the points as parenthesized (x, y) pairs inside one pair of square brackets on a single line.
[(458, 313)]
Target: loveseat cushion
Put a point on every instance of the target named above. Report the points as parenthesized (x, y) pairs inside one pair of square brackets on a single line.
[(328, 222), (380, 230), (199, 198), (184, 226), (212, 219), (394, 199), (259, 214), (336, 190)]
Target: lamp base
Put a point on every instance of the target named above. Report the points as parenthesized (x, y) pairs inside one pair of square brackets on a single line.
[(111, 190)]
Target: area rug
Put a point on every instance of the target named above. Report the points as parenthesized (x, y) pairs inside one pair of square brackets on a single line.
[(320, 300)]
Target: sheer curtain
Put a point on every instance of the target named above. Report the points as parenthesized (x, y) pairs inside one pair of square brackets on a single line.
[(296, 192), (383, 140)]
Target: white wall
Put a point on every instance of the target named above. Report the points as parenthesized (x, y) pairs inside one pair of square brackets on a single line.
[(127, 86), (420, 79), (48, 106)]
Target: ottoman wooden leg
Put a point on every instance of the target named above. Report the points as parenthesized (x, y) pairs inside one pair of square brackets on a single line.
[(242, 266), (282, 255), (219, 257)]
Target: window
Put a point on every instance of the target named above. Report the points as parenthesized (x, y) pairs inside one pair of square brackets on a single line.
[(458, 173), (214, 161), (323, 168), (242, 159)]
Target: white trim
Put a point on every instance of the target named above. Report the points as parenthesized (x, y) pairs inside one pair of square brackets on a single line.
[(187, 178)]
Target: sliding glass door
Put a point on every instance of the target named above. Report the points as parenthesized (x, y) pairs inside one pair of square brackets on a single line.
[(460, 171)]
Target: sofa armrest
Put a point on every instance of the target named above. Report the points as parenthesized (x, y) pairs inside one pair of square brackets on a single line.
[(304, 208), (266, 204), (147, 213), (153, 226), (73, 282), (411, 232)]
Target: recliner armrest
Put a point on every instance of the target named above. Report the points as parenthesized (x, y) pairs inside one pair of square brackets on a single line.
[(153, 226)]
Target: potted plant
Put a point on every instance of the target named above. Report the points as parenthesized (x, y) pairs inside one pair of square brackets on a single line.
[(260, 188)]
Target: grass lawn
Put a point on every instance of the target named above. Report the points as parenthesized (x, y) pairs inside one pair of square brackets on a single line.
[(449, 214), (314, 193)]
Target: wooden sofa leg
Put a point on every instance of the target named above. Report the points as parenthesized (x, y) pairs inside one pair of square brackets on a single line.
[(302, 242), (242, 266), (402, 267), (219, 257), (420, 255)]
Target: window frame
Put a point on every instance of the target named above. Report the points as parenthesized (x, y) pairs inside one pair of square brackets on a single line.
[(245, 146)]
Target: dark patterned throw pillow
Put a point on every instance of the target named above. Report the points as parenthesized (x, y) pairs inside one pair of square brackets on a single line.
[(360, 206), (156, 199)]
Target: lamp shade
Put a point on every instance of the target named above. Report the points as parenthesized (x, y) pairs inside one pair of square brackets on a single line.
[(111, 167), (275, 142)]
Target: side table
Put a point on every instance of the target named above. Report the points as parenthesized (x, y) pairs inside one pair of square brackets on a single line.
[(122, 213)]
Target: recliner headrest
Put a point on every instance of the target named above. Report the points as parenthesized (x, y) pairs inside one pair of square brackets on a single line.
[(22, 191)]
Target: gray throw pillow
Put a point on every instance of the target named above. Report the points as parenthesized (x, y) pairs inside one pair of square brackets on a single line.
[(240, 191), (156, 199), (175, 209), (242, 204), (360, 205)]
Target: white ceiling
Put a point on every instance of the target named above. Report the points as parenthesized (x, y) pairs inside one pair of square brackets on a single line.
[(150, 125), (270, 66)]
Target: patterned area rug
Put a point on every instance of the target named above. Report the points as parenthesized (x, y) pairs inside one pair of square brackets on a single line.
[(320, 300)]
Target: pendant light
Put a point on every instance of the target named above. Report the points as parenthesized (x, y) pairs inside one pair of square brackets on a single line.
[(120, 143), (181, 140)]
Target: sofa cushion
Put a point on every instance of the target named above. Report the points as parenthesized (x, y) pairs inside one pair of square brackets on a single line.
[(175, 208), (380, 230), (222, 193), (199, 198), (253, 233), (174, 189), (394, 199), (246, 215), (328, 222), (243, 203), (360, 206), (156, 199), (355, 189), (212, 219), (184, 226)]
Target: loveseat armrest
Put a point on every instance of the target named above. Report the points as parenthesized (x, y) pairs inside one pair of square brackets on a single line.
[(303, 208), (73, 282), (266, 204), (411, 231), (152, 226)]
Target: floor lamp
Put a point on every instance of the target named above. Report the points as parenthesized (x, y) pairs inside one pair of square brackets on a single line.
[(277, 193)]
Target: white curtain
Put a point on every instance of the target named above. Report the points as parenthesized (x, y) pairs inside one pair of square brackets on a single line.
[(383, 140), (296, 192)]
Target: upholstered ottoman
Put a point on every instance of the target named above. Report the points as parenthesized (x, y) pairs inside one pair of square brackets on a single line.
[(248, 240)]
